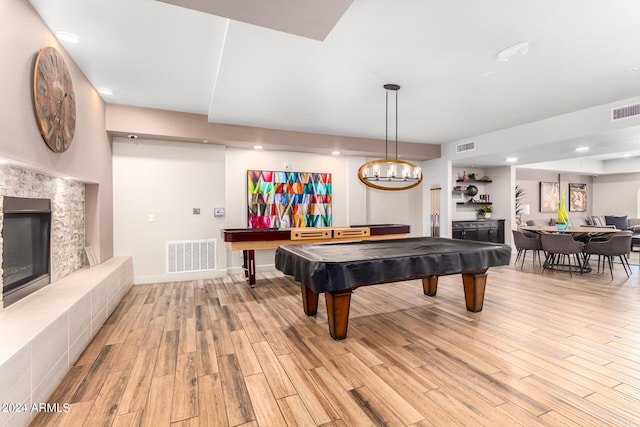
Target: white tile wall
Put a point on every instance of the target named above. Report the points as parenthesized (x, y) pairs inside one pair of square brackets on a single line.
[(79, 320), (43, 334), (15, 374), (41, 392), (48, 347)]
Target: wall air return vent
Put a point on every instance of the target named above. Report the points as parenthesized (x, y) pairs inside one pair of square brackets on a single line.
[(624, 112), (186, 256), (466, 146)]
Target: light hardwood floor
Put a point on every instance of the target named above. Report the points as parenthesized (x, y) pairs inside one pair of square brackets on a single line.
[(546, 350)]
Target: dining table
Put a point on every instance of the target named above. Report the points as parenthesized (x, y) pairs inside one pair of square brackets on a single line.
[(574, 230), (581, 233)]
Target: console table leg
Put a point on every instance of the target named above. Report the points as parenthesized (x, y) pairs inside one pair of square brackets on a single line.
[(309, 301), (474, 284), (430, 285), (338, 304)]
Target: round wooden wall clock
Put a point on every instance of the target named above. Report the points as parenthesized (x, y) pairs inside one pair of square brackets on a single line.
[(54, 100)]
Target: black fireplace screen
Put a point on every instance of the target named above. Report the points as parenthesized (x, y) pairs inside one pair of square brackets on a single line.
[(26, 237), (25, 243)]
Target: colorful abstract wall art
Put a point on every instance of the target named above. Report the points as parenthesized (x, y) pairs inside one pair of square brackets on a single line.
[(288, 199)]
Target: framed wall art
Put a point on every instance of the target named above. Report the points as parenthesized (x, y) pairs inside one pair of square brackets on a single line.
[(288, 199), (577, 197), (549, 196)]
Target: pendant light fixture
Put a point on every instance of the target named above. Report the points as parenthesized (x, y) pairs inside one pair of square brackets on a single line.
[(390, 174)]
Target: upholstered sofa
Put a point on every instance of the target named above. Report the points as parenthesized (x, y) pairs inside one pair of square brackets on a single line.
[(576, 222), (621, 222)]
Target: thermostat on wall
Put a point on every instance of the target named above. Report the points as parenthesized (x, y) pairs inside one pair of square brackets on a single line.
[(218, 212)]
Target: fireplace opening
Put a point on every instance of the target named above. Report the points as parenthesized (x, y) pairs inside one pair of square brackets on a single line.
[(26, 238)]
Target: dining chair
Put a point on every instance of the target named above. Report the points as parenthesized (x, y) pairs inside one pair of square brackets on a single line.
[(559, 249), (525, 242), (617, 245)]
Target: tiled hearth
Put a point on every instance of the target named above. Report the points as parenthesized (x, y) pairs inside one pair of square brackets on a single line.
[(67, 219)]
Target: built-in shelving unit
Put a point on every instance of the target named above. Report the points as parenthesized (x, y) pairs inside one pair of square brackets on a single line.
[(474, 180), (462, 190)]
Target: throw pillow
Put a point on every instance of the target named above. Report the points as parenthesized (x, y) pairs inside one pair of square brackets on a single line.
[(598, 221), (620, 222)]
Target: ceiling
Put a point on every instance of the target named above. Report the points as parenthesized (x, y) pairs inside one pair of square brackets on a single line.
[(319, 67)]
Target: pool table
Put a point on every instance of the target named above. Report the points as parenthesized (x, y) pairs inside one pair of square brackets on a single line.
[(337, 269), (250, 239)]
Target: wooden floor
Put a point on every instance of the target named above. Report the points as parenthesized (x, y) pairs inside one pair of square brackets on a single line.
[(546, 350)]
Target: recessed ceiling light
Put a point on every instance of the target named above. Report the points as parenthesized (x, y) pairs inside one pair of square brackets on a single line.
[(67, 37), (258, 147), (582, 149), (335, 153), (132, 136), (105, 91), (512, 159)]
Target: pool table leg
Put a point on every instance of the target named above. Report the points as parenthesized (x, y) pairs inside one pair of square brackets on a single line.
[(430, 285), (474, 284), (338, 304), (309, 301)]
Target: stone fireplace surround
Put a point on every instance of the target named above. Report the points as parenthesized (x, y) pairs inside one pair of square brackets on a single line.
[(43, 334), (67, 214)]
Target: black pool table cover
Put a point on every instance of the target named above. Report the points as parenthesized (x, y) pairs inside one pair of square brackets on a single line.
[(330, 267)]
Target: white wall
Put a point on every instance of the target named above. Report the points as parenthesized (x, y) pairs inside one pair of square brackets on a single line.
[(395, 206), (468, 212), (622, 166), (88, 159), (616, 194), (556, 135), (530, 181), (357, 192), (240, 161), (166, 180), (502, 191), (169, 179), (437, 174), (352, 202)]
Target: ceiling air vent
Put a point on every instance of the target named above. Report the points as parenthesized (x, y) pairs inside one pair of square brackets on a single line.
[(466, 146), (624, 112)]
